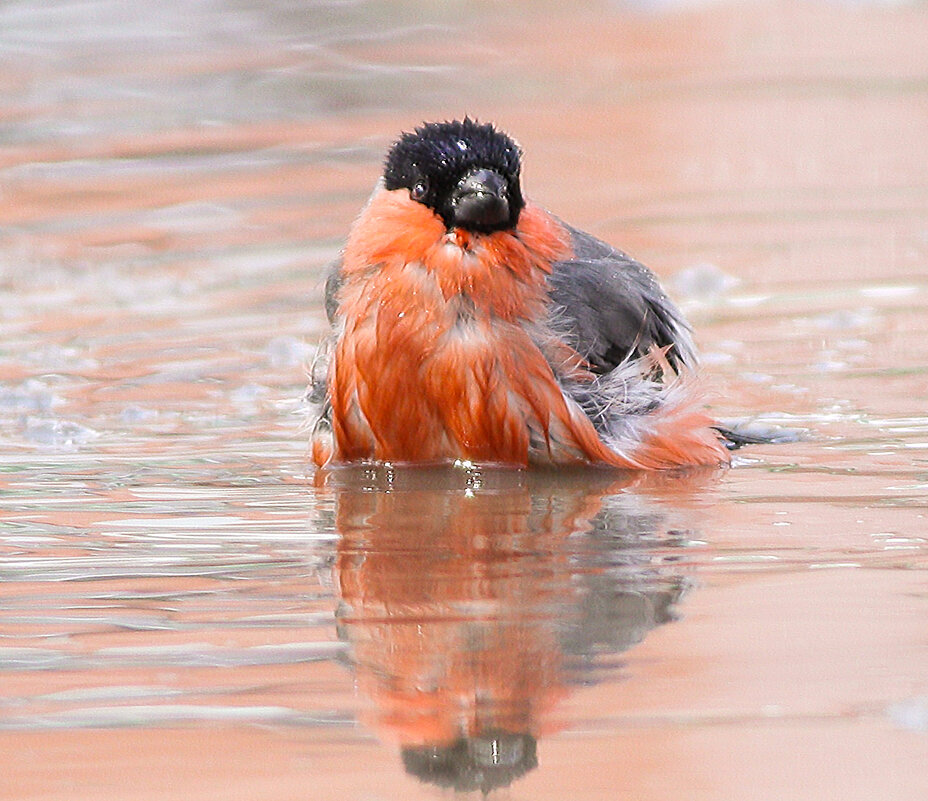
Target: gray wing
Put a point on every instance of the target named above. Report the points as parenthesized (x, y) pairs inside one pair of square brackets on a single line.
[(333, 282), (610, 308), (317, 392)]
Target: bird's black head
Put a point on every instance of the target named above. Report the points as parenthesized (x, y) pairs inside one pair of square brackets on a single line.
[(482, 762), (467, 173)]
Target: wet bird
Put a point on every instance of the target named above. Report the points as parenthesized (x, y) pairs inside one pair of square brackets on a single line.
[(470, 324)]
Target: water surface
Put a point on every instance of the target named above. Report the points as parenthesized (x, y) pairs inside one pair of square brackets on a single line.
[(186, 610)]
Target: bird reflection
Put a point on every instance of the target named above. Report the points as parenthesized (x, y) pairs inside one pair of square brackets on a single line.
[(473, 600)]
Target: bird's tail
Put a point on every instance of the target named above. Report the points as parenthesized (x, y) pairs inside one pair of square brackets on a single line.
[(738, 433), (649, 416)]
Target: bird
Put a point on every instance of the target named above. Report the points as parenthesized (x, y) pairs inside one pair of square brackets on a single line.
[(471, 325)]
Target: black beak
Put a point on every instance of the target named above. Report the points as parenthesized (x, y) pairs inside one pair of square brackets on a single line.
[(480, 201)]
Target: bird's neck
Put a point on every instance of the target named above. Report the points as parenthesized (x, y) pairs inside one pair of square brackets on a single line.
[(501, 273)]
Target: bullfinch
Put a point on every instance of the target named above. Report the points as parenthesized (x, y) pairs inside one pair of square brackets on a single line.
[(471, 325)]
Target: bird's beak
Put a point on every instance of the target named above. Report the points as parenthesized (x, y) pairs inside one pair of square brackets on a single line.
[(480, 200)]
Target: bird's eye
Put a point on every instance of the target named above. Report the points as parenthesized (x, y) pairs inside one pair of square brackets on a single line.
[(419, 190)]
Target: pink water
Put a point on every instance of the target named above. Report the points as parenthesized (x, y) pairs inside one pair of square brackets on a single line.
[(186, 612)]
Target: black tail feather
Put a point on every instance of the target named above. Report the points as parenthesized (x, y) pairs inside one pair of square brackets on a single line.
[(737, 434)]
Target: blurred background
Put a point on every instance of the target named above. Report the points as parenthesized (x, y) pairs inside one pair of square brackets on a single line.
[(177, 615)]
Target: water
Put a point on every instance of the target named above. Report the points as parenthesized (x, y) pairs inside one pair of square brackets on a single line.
[(186, 610)]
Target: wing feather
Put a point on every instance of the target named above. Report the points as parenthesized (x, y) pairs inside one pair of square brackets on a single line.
[(611, 308)]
